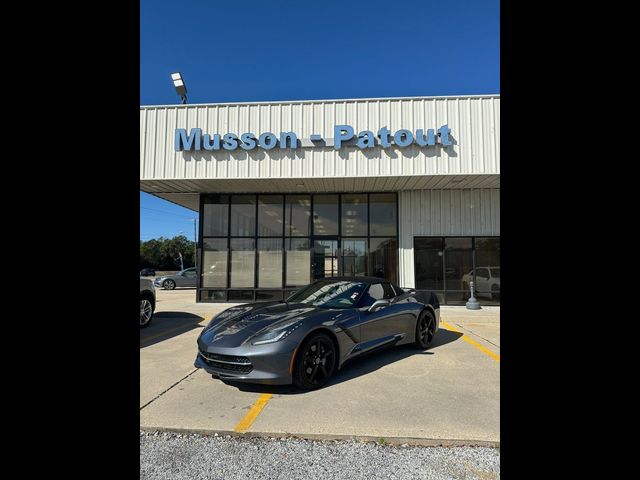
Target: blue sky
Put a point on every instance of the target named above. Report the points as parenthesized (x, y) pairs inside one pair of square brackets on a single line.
[(296, 50)]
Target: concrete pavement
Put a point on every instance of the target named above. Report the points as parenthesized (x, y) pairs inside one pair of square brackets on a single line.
[(448, 394)]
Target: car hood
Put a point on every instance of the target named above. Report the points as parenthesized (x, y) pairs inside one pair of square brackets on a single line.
[(235, 325)]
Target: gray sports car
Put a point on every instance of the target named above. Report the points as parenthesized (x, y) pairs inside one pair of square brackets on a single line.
[(305, 339)]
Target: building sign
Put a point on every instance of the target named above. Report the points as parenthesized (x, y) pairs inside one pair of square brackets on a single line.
[(343, 135)]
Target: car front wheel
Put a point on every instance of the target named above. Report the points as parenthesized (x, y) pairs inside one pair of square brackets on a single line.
[(146, 312), (168, 284), (425, 329), (315, 362)]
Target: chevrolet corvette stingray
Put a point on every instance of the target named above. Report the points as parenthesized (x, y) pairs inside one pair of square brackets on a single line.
[(307, 338)]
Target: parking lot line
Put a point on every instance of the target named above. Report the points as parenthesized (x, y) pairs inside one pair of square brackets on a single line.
[(253, 413), (472, 342)]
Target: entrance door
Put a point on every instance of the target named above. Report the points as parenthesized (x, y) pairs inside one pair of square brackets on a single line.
[(325, 258)]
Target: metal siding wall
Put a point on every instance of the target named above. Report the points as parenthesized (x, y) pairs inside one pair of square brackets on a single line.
[(474, 123), (462, 212)]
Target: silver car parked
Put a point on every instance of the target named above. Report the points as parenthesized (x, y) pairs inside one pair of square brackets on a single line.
[(185, 278)]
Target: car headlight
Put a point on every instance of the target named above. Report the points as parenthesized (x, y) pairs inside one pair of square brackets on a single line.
[(275, 333)]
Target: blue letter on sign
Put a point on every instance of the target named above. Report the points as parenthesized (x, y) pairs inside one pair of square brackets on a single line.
[(182, 143), (293, 139), (248, 141), (341, 133), (408, 138), (268, 140), (230, 141), (443, 131), (366, 139)]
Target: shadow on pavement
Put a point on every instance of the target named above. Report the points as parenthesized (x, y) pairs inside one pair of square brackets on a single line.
[(358, 366), (166, 325)]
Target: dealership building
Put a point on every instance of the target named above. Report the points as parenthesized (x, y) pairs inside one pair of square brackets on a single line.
[(406, 189)]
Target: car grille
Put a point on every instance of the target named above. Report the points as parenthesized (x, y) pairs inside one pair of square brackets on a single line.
[(230, 363)]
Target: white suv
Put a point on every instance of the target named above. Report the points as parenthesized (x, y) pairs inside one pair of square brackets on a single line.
[(487, 282)]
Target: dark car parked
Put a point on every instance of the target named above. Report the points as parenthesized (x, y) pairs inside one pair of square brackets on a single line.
[(147, 272), (306, 338)]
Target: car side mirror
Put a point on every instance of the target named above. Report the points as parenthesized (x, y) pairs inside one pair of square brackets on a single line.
[(378, 305)]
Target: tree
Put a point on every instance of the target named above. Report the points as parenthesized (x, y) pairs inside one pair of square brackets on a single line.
[(162, 253)]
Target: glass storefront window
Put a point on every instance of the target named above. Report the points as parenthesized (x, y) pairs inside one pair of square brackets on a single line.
[(215, 216), (354, 215), (243, 265), (383, 258), (354, 257), (488, 267), (446, 265), (428, 256), (270, 263), (214, 262), (325, 214), (270, 215), (297, 216), (382, 214), (458, 266), (298, 271), (260, 246), (243, 215)]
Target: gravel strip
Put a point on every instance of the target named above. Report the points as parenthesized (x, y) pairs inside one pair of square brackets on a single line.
[(188, 456)]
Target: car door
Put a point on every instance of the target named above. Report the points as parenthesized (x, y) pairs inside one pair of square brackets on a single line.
[(189, 278), (379, 326)]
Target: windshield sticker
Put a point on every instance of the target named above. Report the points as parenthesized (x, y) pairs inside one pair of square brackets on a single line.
[(354, 295)]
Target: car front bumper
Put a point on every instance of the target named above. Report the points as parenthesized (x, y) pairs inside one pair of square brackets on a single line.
[(269, 365)]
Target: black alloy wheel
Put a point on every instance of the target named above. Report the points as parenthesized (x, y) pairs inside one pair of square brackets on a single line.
[(315, 362), (425, 329), (168, 284)]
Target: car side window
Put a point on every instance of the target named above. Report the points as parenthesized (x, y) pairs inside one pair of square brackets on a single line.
[(189, 273), (482, 273), (375, 292), (388, 291)]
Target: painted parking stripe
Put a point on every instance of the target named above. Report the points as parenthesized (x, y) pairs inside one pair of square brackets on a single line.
[(472, 342), (253, 413)]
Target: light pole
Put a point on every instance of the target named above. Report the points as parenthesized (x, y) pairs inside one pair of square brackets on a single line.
[(181, 88)]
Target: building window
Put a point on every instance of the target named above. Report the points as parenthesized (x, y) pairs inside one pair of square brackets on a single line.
[(354, 215), (297, 216), (214, 262), (243, 262), (325, 214), (259, 247), (270, 263), (383, 214), (447, 265), (243, 215), (270, 213)]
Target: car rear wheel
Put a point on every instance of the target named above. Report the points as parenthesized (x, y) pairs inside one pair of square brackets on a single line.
[(168, 284), (425, 329), (146, 312), (315, 362)]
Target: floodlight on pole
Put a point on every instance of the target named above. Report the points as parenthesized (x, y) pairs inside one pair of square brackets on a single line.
[(181, 88)]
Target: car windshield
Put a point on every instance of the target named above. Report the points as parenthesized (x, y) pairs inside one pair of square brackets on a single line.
[(330, 294)]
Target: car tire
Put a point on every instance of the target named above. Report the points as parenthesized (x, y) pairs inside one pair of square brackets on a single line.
[(146, 311), (315, 362), (425, 329), (169, 285)]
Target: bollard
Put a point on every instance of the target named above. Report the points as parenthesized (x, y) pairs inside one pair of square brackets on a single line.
[(473, 303)]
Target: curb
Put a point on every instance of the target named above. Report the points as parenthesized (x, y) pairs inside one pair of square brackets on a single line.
[(394, 441)]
